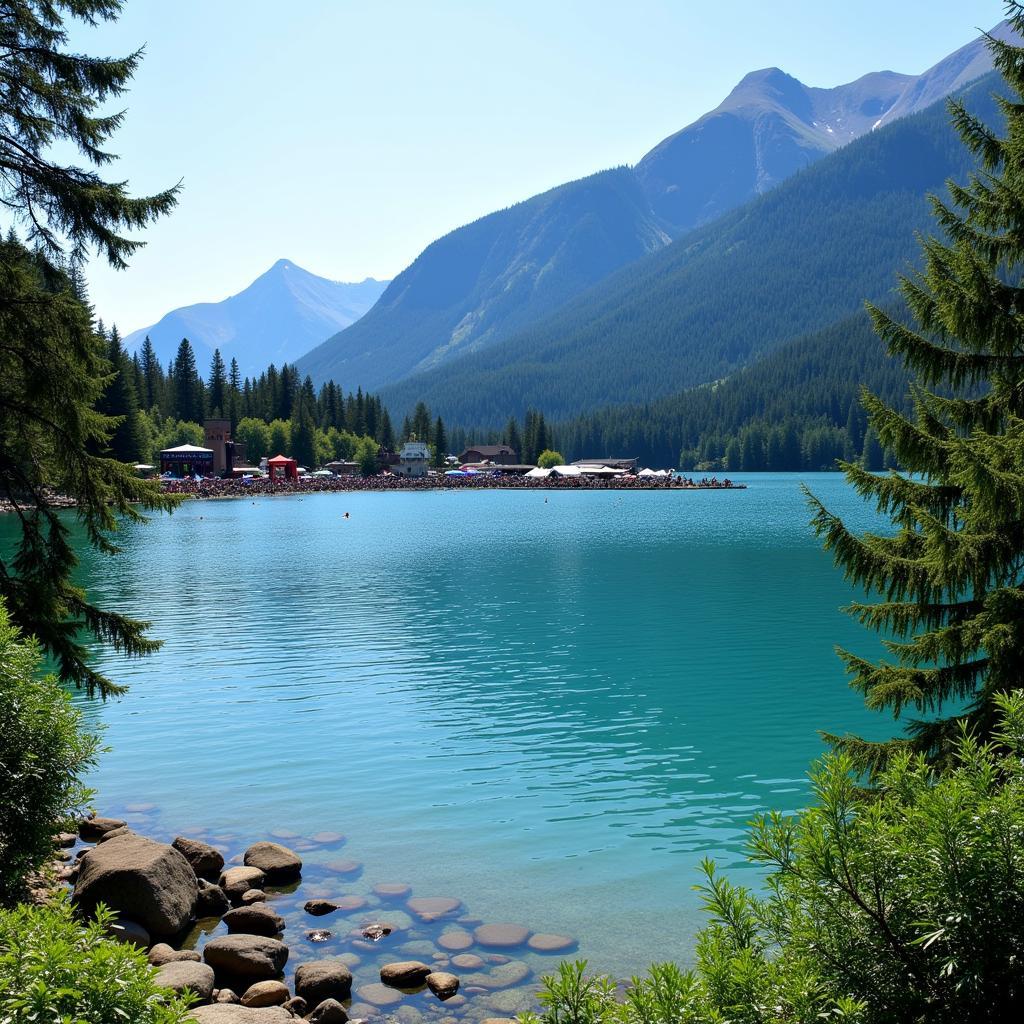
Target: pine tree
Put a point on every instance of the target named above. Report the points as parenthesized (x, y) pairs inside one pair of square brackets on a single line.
[(385, 432), (511, 436), (218, 386), (188, 388), (440, 443), (119, 402), (234, 409), (950, 579), (421, 421)]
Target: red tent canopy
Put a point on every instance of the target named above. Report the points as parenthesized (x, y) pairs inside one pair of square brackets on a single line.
[(281, 467)]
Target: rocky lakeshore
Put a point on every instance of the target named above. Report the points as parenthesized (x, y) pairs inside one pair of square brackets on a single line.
[(258, 935)]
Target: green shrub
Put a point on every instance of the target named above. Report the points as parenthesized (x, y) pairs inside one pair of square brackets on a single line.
[(903, 905), (53, 969), (44, 752), (549, 458)]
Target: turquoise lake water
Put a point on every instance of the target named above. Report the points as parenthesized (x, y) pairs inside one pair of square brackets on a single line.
[(548, 705)]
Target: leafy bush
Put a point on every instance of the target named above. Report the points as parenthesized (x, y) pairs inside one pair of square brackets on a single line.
[(54, 969), (906, 904), (43, 753)]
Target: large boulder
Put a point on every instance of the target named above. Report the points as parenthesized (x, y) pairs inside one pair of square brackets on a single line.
[(182, 974), (277, 862), (258, 919), (236, 881), (405, 974), (161, 954), (206, 861), (323, 979), (229, 1013), (149, 882), (246, 956)]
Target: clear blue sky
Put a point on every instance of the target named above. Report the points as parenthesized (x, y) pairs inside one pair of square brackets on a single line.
[(347, 136)]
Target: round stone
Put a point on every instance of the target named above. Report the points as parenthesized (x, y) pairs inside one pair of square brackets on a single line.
[(344, 867), (379, 994), (430, 908), (545, 942), (501, 936), (327, 838), (455, 941), (266, 993), (468, 961), (392, 890)]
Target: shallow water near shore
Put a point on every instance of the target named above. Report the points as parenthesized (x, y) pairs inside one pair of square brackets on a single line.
[(548, 705)]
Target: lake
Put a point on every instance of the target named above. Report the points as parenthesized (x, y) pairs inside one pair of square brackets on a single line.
[(549, 705)]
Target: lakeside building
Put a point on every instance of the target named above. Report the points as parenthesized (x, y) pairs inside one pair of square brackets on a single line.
[(496, 454), (341, 468), (624, 465), (413, 459), (187, 460)]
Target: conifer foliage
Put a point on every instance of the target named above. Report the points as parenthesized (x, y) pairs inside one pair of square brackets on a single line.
[(947, 588)]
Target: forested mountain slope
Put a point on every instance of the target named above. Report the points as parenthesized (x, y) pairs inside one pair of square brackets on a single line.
[(490, 277), (487, 280), (795, 260)]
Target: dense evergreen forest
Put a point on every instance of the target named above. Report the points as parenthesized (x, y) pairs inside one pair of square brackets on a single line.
[(276, 412), (796, 260)]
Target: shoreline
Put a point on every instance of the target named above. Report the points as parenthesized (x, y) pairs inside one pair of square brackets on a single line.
[(319, 912)]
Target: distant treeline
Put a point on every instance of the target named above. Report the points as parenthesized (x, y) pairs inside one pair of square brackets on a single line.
[(273, 413)]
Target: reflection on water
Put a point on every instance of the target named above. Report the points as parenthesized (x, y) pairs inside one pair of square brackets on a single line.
[(551, 710)]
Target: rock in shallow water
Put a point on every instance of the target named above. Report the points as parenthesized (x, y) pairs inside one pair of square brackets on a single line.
[(149, 882), (442, 984), (404, 974), (206, 861), (182, 974), (379, 995), (210, 900), (501, 936), (277, 862), (236, 881), (90, 829), (430, 908), (229, 1014), (544, 942), (129, 933), (258, 919), (323, 979), (330, 1011), (161, 954), (265, 993), (247, 956), (455, 941)]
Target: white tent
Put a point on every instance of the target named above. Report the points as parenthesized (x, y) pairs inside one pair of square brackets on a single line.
[(538, 474), (567, 470), (647, 472)]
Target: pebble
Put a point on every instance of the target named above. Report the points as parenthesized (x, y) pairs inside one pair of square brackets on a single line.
[(430, 908), (379, 995), (344, 867), (468, 961), (327, 838), (392, 890)]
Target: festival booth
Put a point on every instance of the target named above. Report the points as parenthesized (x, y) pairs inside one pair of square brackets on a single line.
[(186, 460), (282, 468)]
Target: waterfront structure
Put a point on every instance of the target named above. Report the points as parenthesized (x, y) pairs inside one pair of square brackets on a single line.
[(626, 465), (342, 468), (217, 437), (413, 459), (187, 460), (280, 467), (498, 454)]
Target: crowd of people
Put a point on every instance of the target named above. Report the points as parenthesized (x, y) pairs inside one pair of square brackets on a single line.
[(218, 488)]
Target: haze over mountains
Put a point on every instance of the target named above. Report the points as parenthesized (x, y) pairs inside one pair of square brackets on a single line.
[(277, 318), (491, 279)]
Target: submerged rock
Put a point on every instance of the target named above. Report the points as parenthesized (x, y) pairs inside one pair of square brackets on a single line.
[(455, 941), (251, 896), (330, 1011), (149, 882), (544, 942), (130, 933), (226, 1013), (430, 908), (211, 900), (392, 890), (501, 936), (375, 932)]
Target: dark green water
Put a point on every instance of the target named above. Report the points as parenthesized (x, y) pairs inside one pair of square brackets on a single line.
[(550, 706)]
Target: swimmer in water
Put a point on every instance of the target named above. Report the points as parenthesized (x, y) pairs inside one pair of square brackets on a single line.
[(345, 516)]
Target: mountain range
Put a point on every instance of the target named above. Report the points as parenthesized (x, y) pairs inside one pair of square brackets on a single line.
[(277, 318), (503, 274)]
